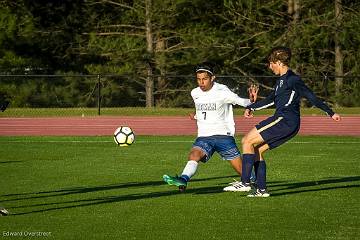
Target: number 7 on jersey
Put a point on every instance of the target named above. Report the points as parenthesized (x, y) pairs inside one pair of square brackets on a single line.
[(204, 113)]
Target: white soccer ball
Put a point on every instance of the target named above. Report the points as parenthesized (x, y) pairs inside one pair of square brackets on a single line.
[(124, 136)]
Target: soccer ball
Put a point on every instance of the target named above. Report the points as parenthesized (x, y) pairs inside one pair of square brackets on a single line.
[(124, 136)]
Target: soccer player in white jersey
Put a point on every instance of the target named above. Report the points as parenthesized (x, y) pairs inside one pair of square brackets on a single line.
[(215, 122)]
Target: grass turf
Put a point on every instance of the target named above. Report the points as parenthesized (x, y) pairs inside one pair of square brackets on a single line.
[(88, 188)]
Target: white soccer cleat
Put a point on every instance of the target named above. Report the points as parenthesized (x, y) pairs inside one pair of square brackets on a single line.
[(259, 193), (237, 186)]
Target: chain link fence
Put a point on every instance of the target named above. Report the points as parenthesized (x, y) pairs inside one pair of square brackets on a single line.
[(99, 92)]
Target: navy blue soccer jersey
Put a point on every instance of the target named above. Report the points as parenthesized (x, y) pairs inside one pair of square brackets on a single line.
[(286, 96)]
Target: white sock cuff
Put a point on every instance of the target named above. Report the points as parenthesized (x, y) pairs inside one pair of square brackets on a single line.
[(190, 168), (193, 162)]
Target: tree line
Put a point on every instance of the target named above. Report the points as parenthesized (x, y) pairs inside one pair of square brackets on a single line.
[(150, 41)]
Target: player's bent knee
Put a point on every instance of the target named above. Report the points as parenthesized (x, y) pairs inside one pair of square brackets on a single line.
[(196, 155), (261, 149), (245, 141)]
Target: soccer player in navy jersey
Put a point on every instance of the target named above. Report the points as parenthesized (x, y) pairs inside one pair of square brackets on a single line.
[(279, 128)]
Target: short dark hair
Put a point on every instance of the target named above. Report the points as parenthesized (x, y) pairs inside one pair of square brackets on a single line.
[(205, 67), (282, 54)]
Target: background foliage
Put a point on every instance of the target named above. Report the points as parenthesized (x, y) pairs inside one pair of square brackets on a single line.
[(78, 37)]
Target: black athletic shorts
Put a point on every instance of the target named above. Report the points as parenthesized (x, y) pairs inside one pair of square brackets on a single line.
[(276, 130)]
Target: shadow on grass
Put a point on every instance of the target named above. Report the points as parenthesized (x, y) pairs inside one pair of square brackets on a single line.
[(81, 190), (7, 162), (285, 189), (315, 186), (53, 206), (94, 201)]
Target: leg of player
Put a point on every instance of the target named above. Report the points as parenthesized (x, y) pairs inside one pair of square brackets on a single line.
[(259, 150), (251, 139), (191, 166), (229, 150), (256, 163), (235, 186), (236, 164), (189, 170), (260, 169), (248, 159)]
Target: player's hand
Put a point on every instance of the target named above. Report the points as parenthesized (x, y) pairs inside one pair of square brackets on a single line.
[(192, 116), (336, 117), (248, 113), (253, 92)]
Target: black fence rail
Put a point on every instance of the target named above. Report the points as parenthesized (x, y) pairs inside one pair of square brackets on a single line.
[(110, 91)]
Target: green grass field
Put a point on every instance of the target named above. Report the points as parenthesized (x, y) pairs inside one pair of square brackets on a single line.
[(88, 188)]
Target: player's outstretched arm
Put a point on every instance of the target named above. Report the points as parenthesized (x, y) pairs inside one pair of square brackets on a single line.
[(264, 103), (233, 98), (308, 94)]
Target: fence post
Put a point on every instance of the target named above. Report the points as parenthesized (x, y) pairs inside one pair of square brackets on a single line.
[(99, 94), (326, 85)]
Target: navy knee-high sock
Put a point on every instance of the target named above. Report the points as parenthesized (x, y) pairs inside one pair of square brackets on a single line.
[(247, 165), (261, 175), (256, 167)]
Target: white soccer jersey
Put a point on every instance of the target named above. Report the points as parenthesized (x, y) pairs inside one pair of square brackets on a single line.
[(214, 112)]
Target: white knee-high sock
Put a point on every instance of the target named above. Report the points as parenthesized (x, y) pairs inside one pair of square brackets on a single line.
[(189, 170)]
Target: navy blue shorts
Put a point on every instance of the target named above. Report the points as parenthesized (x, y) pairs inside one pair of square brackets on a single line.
[(224, 145), (277, 130)]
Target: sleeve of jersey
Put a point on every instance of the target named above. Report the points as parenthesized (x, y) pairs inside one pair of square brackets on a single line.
[(233, 98), (308, 94), (192, 93), (265, 103)]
